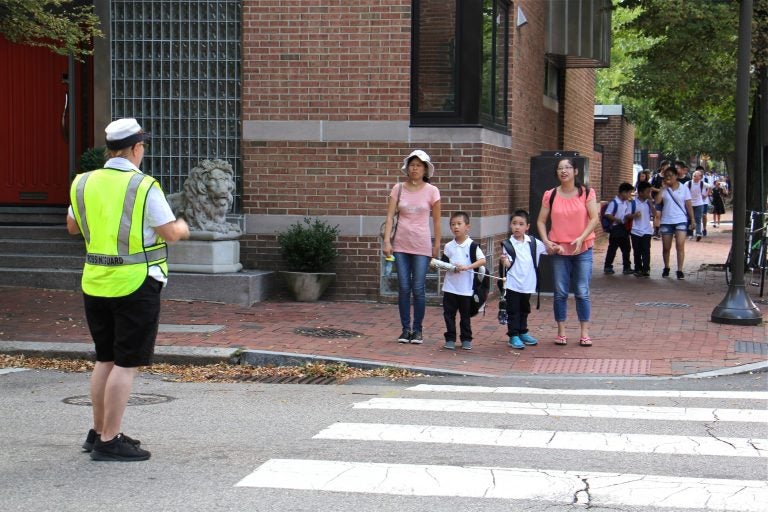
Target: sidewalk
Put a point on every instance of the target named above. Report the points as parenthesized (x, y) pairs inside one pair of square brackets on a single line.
[(630, 338)]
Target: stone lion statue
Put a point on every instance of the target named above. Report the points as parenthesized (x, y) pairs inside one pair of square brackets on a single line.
[(205, 199)]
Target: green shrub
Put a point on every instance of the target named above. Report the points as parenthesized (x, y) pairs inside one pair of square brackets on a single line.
[(93, 158), (309, 246)]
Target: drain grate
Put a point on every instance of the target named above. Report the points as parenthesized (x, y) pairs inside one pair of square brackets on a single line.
[(326, 332), (291, 380), (751, 347), (134, 399), (672, 305)]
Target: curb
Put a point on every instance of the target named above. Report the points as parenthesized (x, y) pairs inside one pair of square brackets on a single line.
[(202, 356)]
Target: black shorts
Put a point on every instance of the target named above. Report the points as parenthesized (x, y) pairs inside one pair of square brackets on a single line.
[(124, 328)]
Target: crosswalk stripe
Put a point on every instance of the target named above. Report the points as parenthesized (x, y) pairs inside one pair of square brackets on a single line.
[(550, 439), (564, 409), (736, 395), (566, 487)]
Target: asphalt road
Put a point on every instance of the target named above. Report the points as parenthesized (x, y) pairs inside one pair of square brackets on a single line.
[(211, 443)]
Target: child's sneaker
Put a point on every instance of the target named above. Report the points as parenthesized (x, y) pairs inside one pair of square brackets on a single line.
[(527, 339), (466, 345), (417, 338), (608, 270), (515, 342), (450, 345), (405, 336)]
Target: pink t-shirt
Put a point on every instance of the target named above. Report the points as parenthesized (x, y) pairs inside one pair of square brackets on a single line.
[(569, 217), (413, 235)]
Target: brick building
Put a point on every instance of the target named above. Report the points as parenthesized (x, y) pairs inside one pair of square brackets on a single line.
[(616, 135), (316, 102), (336, 94)]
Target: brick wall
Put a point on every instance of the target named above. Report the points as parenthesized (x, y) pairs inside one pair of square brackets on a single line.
[(315, 59), (323, 62), (617, 136)]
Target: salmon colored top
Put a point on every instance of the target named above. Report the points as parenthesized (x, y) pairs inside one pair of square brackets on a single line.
[(569, 218), (413, 235)]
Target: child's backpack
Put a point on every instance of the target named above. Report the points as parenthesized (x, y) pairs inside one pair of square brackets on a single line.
[(481, 284), (507, 245), (605, 222)]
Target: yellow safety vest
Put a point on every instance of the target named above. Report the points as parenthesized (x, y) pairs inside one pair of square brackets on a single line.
[(109, 207)]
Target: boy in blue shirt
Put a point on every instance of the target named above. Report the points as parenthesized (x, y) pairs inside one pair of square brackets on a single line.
[(457, 285), (517, 256)]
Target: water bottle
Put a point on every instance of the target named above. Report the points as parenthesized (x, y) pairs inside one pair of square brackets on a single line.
[(389, 261)]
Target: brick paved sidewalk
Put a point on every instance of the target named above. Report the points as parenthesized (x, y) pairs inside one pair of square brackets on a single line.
[(629, 338)]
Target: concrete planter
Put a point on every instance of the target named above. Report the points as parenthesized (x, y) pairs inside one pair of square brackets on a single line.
[(307, 286)]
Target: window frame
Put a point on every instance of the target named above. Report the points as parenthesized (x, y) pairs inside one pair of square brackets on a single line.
[(467, 71)]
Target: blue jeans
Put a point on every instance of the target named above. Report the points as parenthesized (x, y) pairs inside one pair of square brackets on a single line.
[(411, 279), (577, 270), (698, 214)]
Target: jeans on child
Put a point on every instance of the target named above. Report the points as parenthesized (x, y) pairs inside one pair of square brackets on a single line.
[(575, 269)]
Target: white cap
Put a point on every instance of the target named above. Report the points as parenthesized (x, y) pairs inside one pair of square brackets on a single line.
[(124, 133), (424, 157)]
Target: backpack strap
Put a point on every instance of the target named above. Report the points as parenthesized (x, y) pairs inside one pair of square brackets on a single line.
[(507, 245), (533, 244)]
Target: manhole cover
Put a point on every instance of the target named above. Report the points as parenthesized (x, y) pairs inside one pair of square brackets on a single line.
[(134, 399), (290, 380), (672, 305), (326, 332)]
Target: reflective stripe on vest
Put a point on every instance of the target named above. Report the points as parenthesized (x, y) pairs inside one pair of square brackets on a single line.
[(117, 261)]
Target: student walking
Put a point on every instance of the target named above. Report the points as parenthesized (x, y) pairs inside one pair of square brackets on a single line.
[(642, 230), (520, 257), (676, 219), (457, 285), (618, 212)]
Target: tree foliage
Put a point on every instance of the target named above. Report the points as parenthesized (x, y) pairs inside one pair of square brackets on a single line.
[(673, 67), (64, 26)]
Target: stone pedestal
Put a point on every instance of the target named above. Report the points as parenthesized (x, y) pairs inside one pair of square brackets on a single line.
[(204, 257)]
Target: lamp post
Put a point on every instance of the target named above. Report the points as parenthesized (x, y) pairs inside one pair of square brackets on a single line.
[(737, 307)]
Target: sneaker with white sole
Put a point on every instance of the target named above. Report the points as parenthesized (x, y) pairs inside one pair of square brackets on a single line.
[(516, 342), (417, 338), (450, 345), (405, 336), (527, 339)]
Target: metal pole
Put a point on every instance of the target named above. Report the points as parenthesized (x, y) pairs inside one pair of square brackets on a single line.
[(737, 307)]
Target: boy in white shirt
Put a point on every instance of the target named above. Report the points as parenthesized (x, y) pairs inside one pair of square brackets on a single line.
[(457, 285), (642, 229), (517, 256), (618, 212)]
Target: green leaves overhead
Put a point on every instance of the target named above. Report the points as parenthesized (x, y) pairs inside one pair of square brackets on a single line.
[(64, 26), (673, 67)]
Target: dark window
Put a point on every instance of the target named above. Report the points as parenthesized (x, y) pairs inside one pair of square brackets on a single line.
[(551, 80), (460, 62)]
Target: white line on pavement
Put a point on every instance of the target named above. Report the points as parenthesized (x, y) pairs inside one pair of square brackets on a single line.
[(550, 439), (738, 395), (562, 487), (575, 410)]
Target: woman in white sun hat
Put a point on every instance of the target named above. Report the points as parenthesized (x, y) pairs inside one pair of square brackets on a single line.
[(415, 201)]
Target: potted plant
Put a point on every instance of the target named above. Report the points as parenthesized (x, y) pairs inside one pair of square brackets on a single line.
[(309, 251)]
